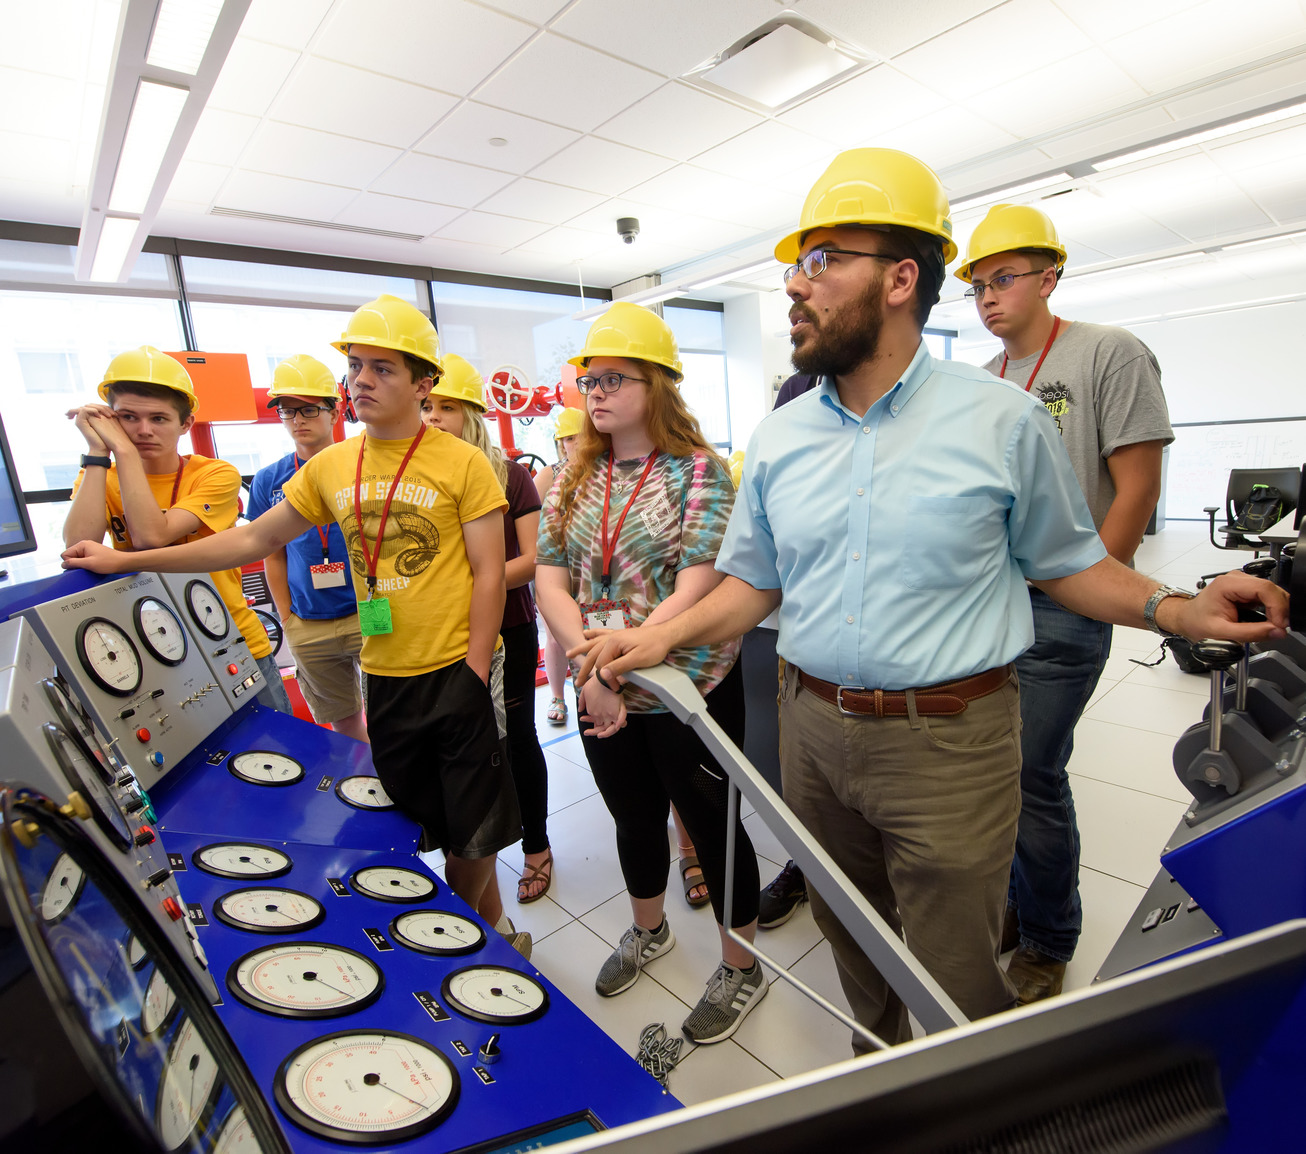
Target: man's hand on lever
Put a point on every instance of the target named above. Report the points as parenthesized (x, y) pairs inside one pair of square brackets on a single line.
[(1214, 612)]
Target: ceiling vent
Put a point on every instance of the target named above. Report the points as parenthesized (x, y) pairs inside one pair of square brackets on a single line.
[(273, 218), (783, 62)]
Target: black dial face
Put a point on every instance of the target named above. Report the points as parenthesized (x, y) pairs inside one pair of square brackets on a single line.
[(75, 722), (263, 767), (109, 656), (437, 932), (87, 778), (495, 994), (160, 631), (305, 980), (207, 610), (363, 792), (393, 884), (269, 910), (238, 859)]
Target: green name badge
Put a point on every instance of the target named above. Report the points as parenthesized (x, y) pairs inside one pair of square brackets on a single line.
[(374, 617)]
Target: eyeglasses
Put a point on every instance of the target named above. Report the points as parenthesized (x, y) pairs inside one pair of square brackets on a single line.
[(999, 284), (814, 263), (608, 382), (308, 412)]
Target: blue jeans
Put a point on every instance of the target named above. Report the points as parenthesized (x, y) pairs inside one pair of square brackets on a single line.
[(273, 693), (1057, 677)]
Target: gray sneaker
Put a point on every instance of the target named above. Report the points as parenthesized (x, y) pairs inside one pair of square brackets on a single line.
[(520, 940), (638, 947), (731, 993)]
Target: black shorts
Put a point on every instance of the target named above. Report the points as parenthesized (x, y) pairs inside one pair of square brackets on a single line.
[(437, 749)]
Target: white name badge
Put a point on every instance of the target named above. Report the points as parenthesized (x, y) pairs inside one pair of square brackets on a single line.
[(607, 614), (328, 576)]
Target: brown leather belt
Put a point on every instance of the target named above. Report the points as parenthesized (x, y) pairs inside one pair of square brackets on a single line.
[(942, 700)]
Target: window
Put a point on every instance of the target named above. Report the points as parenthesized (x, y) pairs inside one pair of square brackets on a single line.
[(207, 278), (50, 372)]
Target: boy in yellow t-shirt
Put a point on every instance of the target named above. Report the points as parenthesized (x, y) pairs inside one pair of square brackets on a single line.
[(148, 494)]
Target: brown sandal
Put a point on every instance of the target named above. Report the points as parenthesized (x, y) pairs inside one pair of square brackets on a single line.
[(687, 864), (543, 870)]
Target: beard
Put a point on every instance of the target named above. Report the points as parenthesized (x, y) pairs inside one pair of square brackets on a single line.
[(844, 339)]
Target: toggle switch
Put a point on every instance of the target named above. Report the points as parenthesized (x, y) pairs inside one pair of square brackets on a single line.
[(158, 877), (144, 835), (490, 1052)]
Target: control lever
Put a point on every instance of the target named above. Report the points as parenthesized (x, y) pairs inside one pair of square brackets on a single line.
[(1217, 768), (1262, 567)]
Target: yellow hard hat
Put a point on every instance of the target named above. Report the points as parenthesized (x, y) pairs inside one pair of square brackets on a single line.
[(460, 382), (628, 330), (874, 186), (148, 366), (391, 323), (302, 376), (1007, 227), (570, 422), (736, 464)]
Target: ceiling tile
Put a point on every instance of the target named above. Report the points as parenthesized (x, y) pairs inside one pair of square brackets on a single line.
[(351, 102), (677, 121), (547, 203), (695, 190), (465, 134), (618, 263), (532, 11), (397, 214), (1280, 189), (502, 232), (671, 39), (37, 159), (1274, 145), (447, 44), (281, 196), (889, 29), (51, 37), (1111, 227), (39, 105), (942, 139), (770, 152), (601, 165), (882, 98), (569, 243), (567, 83), (286, 150), (1105, 19), (1116, 135), (289, 23), (251, 77), (219, 137), (196, 183), (443, 181), (662, 226), (1249, 91)]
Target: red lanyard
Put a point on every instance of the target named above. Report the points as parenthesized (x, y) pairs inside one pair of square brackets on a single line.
[(320, 531), (1052, 336), (176, 482), (610, 545), (371, 559)]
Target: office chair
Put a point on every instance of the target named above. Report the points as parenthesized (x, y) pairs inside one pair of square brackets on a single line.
[(1288, 481)]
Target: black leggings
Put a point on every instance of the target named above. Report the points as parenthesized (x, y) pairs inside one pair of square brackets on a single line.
[(521, 655), (655, 760)]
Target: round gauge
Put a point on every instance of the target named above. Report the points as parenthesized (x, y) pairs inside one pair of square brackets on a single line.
[(74, 721), (363, 792), (495, 994), (136, 953), (188, 1088), (269, 911), (238, 859), (159, 1006), (87, 778), (109, 656), (62, 888), (236, 1135), (367, 1087), (160, 631), (261, 767), (206, 609), (437, 932), (305, 980), (393, 884)]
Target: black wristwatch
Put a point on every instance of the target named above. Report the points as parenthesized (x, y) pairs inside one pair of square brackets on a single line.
[(88, 461)]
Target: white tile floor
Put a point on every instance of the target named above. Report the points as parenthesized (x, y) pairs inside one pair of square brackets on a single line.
[(1126, 793)]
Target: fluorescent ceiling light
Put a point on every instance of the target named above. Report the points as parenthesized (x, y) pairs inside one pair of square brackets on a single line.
[(1010, 193), (1263, 240), (181, 34), (741, 273), (1202, 137), (154, 117), (111, 249)]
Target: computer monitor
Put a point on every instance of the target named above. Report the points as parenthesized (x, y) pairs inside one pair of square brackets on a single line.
[(16, 534)]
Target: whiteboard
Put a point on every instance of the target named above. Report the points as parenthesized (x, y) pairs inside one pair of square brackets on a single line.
[(1202, 455)]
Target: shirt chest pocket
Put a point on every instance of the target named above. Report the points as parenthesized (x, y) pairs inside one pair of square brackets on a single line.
[(952, 542)]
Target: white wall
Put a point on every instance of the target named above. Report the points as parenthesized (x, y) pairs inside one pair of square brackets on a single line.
[(757, 357)]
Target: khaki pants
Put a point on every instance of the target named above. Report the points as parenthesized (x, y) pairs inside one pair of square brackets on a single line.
[(326, 654), (920, 813)]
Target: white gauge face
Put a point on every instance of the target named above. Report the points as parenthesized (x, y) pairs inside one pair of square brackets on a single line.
[(437, 932), (305, 980), (367, 1087), (269, 910), (364, 792), (393, 884), (109, 656), (189, 1079), (236, 1135), (159, 1005), (236, 859), (160, 631), (495, 994), (62, 888), (207, 609), (136, 955), (262, 767)]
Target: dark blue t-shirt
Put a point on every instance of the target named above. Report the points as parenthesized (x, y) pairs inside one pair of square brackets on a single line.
[(305, 550)]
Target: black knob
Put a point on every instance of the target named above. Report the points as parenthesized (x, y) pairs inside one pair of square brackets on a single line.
[(1211, 654), (1261, 567), (134, 806), (158, 877), (1251, 611)]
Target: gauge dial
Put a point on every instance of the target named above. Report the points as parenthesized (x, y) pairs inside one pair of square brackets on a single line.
[(159, 1006), (87, 778), (363, 792), (109, 656), (61, 890), (367, 1088), (437, 932), (238, 859), (207, 610), (393, 884), (236, 1135), (262, 767), (269, 911), (495, 994), (305, 980), (136, 953), (160, 631), (75, 721), (189, 1085)]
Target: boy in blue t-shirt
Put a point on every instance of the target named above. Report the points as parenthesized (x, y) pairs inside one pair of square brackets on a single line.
[(309, 578)]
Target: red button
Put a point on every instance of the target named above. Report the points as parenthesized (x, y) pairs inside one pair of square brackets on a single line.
[(142, 735), (172, 907), (233, 668), (144, 835)]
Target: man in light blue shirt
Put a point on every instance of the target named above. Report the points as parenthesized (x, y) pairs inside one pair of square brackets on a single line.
[(893, 514)]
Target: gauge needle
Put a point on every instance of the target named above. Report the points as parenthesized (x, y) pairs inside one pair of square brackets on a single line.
[(498, 993), (310, 976), (375, 1080)]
